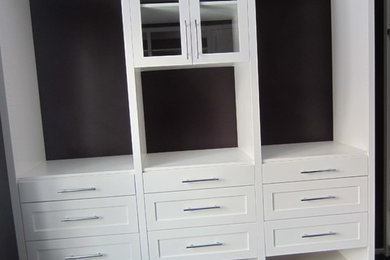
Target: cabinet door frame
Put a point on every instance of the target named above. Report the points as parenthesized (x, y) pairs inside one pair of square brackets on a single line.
[(243, 37), (157, 61)]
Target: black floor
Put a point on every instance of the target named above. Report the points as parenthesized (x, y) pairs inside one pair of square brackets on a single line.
[(381, 257)]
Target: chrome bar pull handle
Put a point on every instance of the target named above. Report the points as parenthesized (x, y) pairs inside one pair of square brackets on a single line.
[(205, 245), (186, 37), (202, 208), (319, 171), (200, 180), (330, 233), (77, 190), (319, 198), (80, 219), (197, 38), (74, 257)]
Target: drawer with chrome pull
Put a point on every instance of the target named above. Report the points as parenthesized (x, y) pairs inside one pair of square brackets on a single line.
[(198, 178), (200, 208), (217, 243), (119, 247), (77, 187), (315, 198), (325, 167), (80, 218), (305, 235)]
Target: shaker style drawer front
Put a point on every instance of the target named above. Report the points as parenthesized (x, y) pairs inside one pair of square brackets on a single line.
[(80, 218), (201, 208), (198, 178), (315, 169), (213, 243), (315, 198), (315, 234), (77, 187), (120, 247)]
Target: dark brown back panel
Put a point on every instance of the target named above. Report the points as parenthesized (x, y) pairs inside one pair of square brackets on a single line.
[(189, 109), (295, 70), (82, 77), (8, 244)]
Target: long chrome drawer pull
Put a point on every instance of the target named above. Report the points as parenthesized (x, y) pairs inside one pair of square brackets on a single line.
[(330, 233), (205, 245), (80, 219), (77, 190), (200, 180), (319, 171), (203, 208), (84, 256), (319, 198)]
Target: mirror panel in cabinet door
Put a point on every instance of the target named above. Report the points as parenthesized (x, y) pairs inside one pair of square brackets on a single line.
[(161, 32), (220, 30)]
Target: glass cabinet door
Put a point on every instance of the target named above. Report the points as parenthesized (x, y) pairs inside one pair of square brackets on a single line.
[(220, 31), (161, 32)]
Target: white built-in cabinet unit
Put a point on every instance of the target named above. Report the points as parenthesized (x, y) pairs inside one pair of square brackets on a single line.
[(157, 198)]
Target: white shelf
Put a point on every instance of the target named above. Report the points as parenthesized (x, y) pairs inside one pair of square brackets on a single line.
[(199, 158), (218, 11), (332, 255), (109, 164), (160, 5), (285, 152), (218, 3), (160, 13)]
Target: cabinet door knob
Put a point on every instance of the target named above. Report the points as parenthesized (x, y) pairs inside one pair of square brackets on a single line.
[(197, 38), (186, 37)]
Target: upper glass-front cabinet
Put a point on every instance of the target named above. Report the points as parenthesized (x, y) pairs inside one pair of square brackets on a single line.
[(179, 32)]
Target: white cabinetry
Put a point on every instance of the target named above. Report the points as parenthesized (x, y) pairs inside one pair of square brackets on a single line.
[(124, 247), (237, 200), (167, 33), (309, 199), (316, 234), (224, 242)]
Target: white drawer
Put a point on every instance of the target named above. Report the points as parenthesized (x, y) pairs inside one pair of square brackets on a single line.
[(77, 187), (315, 234), (315, 169), (198, 178), (315, 198), (208, 243), (121, 247), (201, 208), (80, 218)]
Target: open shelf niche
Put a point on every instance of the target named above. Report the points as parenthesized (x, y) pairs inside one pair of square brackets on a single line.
[(316, 90), (324, 93), (329, 255), (192, 117), (76, 119)]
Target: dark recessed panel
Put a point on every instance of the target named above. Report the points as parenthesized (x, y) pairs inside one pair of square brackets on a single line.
[(189, 109), (82, 77), (295, 70)]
